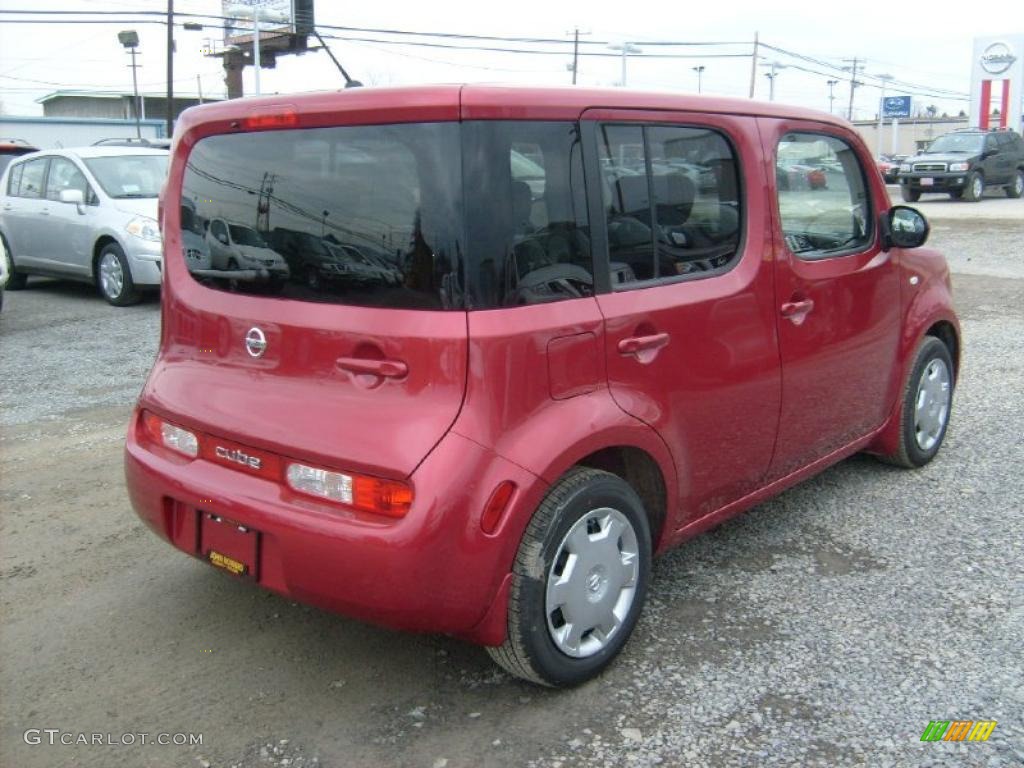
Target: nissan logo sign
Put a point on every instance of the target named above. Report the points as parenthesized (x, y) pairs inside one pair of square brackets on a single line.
[(997, 58), (255, 342)]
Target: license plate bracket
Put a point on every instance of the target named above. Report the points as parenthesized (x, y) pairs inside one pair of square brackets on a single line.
[(927, 181), (229, 545)]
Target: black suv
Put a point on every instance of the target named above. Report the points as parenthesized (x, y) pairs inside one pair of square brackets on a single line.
[(961, 164)]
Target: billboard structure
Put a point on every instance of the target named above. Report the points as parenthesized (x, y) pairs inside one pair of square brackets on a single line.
[(997, 82), (284, 25)]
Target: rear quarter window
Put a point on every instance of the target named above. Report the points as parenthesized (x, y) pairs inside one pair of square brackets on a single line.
[(365, 215)]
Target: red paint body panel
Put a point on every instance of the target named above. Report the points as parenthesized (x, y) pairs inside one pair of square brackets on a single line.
[(732, 410), (839, 361)]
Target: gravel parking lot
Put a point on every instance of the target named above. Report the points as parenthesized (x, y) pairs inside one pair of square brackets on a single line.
[(826, 627)]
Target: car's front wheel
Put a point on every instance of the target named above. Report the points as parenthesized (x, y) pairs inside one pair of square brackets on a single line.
[(114, 277), (16, 280), (579, 580), (1016, 188), (909, 195), (926, 405), (975, 187)]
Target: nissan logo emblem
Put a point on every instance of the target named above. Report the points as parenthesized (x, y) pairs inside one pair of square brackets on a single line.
[(997, 58), (255, 342)]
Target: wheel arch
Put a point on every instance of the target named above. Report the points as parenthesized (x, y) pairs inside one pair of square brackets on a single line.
[(101, 242)]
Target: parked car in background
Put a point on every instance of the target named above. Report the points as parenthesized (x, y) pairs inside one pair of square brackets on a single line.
[(889, 167), (560, 387), (237, 248), (963, 164), (134, 142), (12, 148), (85, 214), (5, 272)]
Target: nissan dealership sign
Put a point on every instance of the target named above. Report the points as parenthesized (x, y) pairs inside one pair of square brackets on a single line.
[(997, 82)]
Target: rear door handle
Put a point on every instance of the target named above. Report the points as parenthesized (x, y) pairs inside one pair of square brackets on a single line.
[(388, 369), (635, 345), (797, 310)]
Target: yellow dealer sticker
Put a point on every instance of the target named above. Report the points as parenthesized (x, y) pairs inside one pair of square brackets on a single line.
[(227, 563)]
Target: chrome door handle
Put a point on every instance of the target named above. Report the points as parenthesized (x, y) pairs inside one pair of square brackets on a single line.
[(797, 311)]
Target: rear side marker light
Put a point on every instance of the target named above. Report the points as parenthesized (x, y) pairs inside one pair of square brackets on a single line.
[(367, 494), (170, 436), (496, 506)]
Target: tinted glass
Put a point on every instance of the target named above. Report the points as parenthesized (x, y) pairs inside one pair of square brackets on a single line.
[(526, 213), (64, 174), (14, 180), (671, 197), (367, 216), (823, 200), (129, 176), (957, 143), (32, 178)]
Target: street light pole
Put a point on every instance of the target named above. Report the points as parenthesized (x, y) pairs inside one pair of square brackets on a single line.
[(129, 38), (831, 96), (700, 71), (771, 75), (881, 111), (626, 48)]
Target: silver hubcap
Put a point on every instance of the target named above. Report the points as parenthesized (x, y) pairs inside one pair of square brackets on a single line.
[(931, 409), (592, 582), (1018, 184), (111, 275), (978, 187)]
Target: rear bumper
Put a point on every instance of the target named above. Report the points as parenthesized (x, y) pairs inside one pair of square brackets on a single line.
[(432, 571)]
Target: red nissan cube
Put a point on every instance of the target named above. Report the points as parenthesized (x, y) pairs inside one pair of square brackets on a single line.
[(465, 359)]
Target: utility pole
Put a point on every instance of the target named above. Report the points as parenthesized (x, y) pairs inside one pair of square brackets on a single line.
[(574, 67), (170, 68), (831, 96), (852, 69), (753, 67), (700, 72), (575, 53)]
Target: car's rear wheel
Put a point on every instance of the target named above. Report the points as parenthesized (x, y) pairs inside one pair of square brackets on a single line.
[(579, 580), (909, 195), (1016, 188), (114, 277), (926, 405), (16, 280), (975, 187)]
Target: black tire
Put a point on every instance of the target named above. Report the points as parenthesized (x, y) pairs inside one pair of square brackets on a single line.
[(127, 294), (909, 195), (974, 190), (956, 194), (16, 281), (910, 453), (1016, 187), (529, 651)]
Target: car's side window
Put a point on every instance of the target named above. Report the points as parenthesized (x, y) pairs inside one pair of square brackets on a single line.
[(671, 198), (32, 175), (823, 198), (219, 231), (14, 180), (527, 212), (64, 174)]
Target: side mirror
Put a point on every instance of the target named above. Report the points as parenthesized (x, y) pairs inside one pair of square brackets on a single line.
[(222, 239), (903, 227), (72, 196)]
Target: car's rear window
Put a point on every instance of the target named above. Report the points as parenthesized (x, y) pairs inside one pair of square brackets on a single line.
[(360, 215)]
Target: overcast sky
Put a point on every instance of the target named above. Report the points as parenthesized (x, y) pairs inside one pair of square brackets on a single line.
[(917, 42)]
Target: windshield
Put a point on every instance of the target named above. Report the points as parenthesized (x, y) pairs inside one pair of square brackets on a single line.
[(957, 142), (245, 236), (129, 176)]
